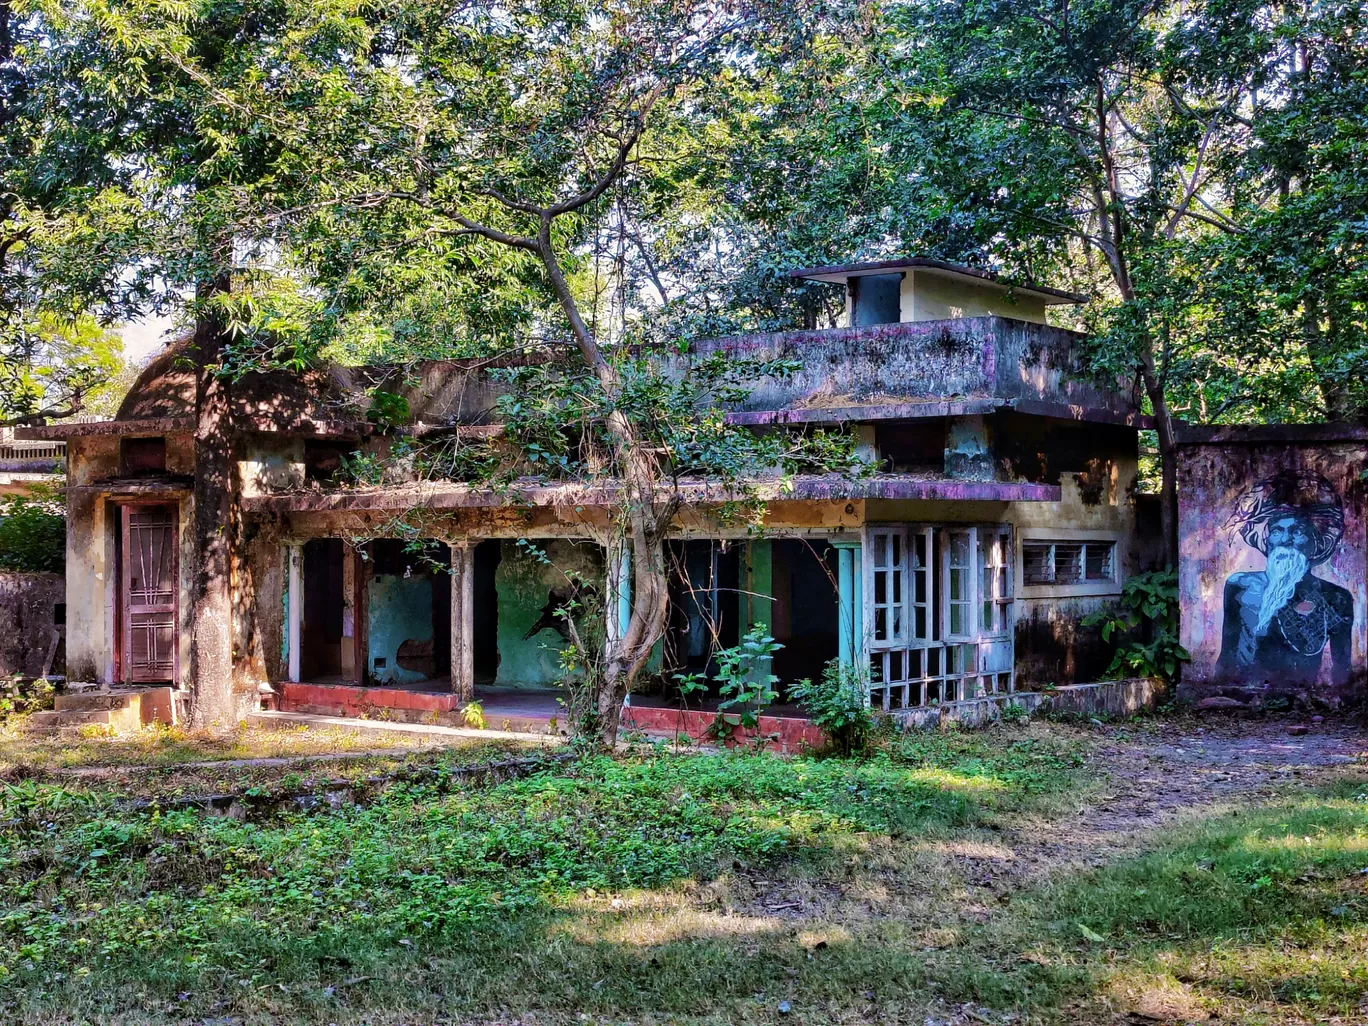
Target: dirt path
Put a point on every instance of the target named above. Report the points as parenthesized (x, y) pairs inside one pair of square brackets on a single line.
[(1161, 771)]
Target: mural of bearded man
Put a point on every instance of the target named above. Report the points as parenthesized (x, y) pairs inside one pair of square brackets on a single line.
[(1279, 620)]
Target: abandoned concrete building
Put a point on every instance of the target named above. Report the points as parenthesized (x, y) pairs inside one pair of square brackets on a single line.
[(1003, 511)]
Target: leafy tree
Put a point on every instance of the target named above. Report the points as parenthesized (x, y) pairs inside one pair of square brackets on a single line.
[(428, 180), (1197, 168), (52, 369)]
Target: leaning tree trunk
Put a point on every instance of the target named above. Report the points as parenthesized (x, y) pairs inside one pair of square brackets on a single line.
[(211, 650)]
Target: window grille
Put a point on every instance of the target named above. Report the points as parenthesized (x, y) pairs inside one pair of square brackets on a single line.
[(1068, 562)]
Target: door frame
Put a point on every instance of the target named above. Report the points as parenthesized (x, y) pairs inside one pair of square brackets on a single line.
[(122, 626)]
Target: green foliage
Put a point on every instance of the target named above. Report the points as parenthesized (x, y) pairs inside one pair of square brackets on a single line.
[(556, 415), (387, 409), (839, 705), (32, 534), (745, 681), (19, 697), (185, 897), (1149, 605), (56, 366)]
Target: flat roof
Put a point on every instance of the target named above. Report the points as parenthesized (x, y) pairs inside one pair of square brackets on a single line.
[(842, 273)]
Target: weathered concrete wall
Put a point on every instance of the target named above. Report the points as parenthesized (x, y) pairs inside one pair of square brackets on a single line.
[(1272, 568), (400, 610), (1112, 699), (31, 641), (926, 360), (528, 589), (92, 585)]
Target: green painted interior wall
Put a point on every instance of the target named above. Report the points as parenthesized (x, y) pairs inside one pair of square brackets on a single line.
[(523, 585), (757, 585), (400, 610)]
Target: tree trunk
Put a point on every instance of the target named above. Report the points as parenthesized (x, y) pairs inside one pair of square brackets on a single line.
[(211, 651), (647, 512), (1168, 461)]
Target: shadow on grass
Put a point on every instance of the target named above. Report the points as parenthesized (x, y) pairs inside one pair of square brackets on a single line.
[(1262, 910), (476, 900)]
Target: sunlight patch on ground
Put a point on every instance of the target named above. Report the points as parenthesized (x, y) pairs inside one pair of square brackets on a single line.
[(634, 929), (1156, 996), (971, 849)]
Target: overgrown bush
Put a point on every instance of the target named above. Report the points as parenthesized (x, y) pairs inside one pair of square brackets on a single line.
[(1146, 625), (32, 534), (838, 703), (20, 696)]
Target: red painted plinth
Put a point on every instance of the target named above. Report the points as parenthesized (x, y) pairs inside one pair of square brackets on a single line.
[(785, 733), (354, 701)]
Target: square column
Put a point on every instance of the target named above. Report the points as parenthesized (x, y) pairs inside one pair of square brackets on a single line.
[(850, 607), (463, 620), (294, 607)]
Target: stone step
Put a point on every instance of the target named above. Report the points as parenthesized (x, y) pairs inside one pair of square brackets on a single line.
[(98, 700), (435, 733), (71, 718)]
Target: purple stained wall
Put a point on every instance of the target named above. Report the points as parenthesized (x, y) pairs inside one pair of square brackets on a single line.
[(1272, 562)]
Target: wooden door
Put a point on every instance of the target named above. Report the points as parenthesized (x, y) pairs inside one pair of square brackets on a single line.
[(149, 588)]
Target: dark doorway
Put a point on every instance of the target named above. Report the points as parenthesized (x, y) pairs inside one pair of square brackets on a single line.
[(875, 299), (486, 612), (806, 607), (704, 583), (320, 630)]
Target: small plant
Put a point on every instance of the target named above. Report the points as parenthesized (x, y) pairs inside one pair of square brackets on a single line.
[(363, 468), (745, 682), (1149, 609), (472, 714), (839, 705), (1015, 714)]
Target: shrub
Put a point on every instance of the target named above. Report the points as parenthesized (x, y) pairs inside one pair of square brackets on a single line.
[(839, 705), (1148, 614), (19, 696), (32, 534)]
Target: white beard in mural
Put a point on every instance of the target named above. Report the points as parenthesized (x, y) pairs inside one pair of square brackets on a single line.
[(1280, 620), (1285, 568)]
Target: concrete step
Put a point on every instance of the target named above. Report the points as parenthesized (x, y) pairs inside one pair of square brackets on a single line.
[(98, 700), (70, 718), (385, 728)]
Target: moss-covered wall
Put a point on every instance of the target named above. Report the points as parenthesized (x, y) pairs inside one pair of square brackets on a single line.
[(525, 585)]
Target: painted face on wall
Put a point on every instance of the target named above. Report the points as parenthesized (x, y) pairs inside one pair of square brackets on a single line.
[(1292, 532), (1280, 620)]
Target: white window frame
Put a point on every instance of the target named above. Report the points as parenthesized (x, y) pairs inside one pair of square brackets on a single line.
[(918, 668), (969, 599), (1001, 580)]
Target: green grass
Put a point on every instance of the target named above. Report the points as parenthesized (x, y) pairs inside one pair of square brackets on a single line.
[(156, 745), (466, 899), (687, 888), (1256, 910)]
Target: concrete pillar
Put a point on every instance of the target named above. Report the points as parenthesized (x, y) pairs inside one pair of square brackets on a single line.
[(850, 612), (348, 643), (463, 620), (294, 609), (624, 591)]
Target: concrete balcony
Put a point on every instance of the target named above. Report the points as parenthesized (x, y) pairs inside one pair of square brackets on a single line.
[(962, 367)]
